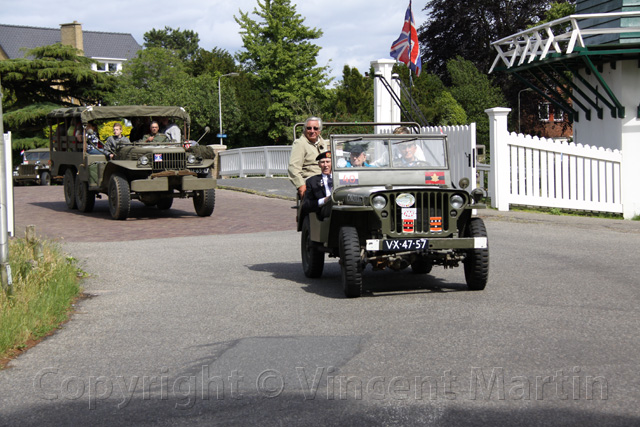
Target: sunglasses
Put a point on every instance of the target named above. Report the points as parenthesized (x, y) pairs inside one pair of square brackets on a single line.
[(313, 127)]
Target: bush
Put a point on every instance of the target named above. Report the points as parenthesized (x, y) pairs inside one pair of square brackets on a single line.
[(41, 296)]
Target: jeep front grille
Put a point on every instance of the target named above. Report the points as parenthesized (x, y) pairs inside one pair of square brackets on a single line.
[(169, 161), (27, 169), (432, 214)]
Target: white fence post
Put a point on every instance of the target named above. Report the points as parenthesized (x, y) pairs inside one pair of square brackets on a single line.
[(499, 179)]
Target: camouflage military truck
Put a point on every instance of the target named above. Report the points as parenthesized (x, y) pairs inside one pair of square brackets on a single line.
[(152, 172), (398, 209), (34, 168)]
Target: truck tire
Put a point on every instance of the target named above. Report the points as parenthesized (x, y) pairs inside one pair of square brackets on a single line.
[(45, 178), (350, 261), (204, 201), (476, 264), (165, 203), (119, 197), (85, 199), (69, 185), (312, 258)]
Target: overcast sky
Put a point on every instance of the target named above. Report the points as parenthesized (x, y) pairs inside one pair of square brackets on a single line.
[(356, 32)]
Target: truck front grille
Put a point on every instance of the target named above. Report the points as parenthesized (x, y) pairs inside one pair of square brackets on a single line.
[(169, 161)]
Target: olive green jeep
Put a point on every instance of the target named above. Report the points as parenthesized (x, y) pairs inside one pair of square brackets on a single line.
[(399, 208), (34, 168), (152, 172)]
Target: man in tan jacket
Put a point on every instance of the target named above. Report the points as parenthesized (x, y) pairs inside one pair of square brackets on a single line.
[(302, 162)]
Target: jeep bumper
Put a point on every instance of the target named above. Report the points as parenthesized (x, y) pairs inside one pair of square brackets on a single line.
[(431, 244)]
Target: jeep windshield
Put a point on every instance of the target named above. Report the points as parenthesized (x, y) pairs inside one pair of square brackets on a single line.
[(389, 152), (36, 156)]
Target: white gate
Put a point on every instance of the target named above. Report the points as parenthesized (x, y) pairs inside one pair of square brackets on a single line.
[(462, 151)]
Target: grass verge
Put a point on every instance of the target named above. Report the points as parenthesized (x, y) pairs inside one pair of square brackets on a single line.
[(41, 297)]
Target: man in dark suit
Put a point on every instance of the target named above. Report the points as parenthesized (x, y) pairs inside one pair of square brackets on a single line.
[(317, 197)]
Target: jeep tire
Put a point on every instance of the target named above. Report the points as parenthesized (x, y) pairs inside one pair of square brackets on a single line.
[(476, 264), (69, 185), (45, 178), (350, 261), (312, 258), (85, 199), (119, 197), (204, 201), (421, 265)]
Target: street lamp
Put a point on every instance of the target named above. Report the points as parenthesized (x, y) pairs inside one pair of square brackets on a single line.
[(523, 90), (220, 101)]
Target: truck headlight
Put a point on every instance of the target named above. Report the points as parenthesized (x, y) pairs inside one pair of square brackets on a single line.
[(379, 202), (191, 159), (143, 160), (457, 201)]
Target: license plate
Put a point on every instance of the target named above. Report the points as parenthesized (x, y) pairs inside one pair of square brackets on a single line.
[(394, 245)]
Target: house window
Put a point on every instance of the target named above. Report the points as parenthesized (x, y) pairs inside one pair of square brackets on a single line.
[(558, 115), (113, 67), (543, 112), (101, 66)]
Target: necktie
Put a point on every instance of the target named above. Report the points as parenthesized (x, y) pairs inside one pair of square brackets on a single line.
[(330, 182)]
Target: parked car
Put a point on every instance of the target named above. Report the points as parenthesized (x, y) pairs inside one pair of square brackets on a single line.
[(152, 172), (399, 209), (34, 168)]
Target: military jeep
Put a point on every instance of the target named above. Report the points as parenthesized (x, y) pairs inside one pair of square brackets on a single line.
[(398, 209), (34, 168), (152, 172)]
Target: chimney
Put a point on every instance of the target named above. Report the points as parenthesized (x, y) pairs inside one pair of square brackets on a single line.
[(71, 34)]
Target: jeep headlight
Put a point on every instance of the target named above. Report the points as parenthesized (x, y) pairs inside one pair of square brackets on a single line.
[(457, 201), (143, 160), (191, 159), (478, 194), (379, 202)]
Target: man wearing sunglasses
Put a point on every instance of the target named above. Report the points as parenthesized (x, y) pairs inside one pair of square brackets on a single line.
[(302, 162)]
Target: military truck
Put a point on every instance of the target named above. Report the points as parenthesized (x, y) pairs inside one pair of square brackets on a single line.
[(34, 168), (152, 172), (399, 209)]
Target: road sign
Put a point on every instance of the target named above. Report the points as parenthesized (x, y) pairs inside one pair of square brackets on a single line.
[(221, 135)]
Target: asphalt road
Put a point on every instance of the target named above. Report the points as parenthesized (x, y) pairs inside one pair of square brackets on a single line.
[(222, 328)]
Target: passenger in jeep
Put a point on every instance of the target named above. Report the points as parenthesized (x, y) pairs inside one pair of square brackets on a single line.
[(317, 197)]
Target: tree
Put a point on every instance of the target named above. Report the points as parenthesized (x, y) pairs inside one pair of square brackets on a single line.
[(475, 93), (467, 29), (279, 52), (184, 43), (353, 97), (52, 77), (432, 97), (212, 62), (159, 76)]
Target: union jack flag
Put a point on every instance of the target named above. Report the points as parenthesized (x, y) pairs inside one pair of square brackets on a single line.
[(408, 41)]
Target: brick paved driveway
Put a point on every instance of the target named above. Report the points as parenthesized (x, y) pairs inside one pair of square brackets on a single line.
[(235, 212)]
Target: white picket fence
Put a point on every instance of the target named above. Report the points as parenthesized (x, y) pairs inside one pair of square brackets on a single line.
[(267, 161), (546, 173)]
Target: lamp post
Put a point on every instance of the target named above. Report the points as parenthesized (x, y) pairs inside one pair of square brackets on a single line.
[(523, 90), (220, 100)]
